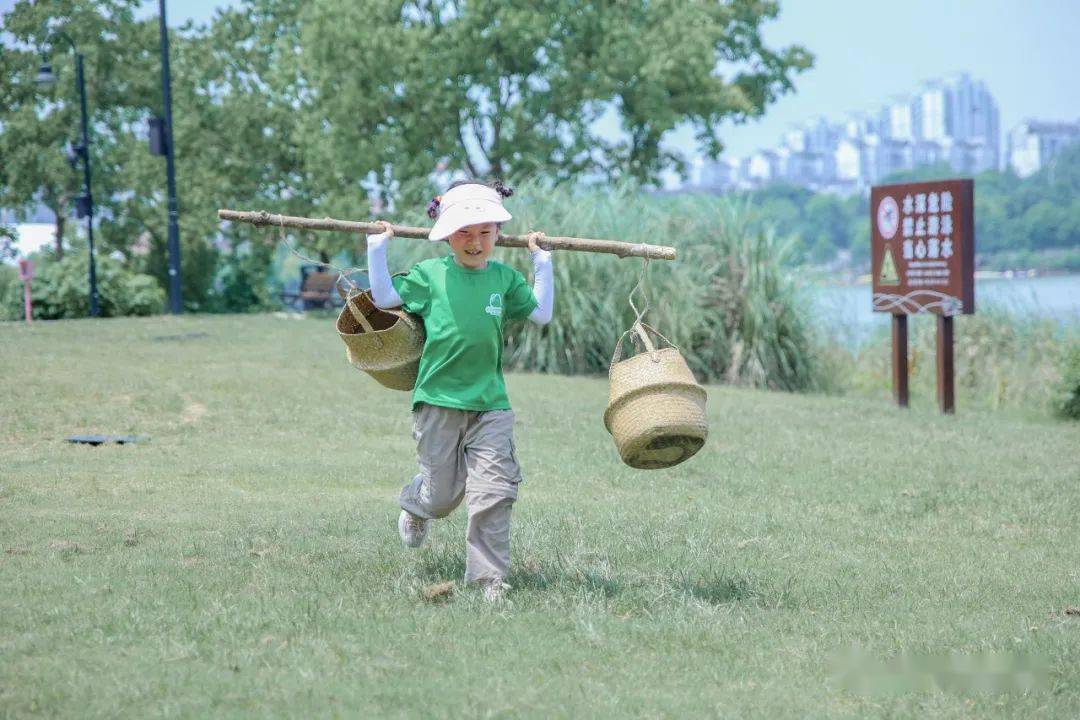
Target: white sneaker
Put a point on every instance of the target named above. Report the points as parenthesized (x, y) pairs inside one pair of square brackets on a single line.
[(495, 590), (412, 529)]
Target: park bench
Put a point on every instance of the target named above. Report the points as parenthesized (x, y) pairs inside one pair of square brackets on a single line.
[(316, 290)]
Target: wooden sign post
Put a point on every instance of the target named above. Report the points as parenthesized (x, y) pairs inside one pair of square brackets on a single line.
[(922, 256), (26, 274)]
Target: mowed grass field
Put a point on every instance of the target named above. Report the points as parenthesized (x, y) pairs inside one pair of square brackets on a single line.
[(245, 560)]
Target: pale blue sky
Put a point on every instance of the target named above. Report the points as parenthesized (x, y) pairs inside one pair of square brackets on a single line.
[(870, 50)]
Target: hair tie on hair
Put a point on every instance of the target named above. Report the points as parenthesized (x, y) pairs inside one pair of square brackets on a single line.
[(433, 207)]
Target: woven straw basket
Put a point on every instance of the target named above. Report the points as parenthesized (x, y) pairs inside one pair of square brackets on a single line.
[(656, 410), (386, 344)]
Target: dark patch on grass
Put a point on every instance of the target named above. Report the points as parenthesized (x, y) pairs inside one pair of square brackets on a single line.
[(449, 562), (182, 337), (925, 505), (607, 586), (65, 547), (440, 564), (532, 575), (719, 587)]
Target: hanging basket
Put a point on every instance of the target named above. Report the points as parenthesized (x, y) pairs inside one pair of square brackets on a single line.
[(386, 344), (656, 409)]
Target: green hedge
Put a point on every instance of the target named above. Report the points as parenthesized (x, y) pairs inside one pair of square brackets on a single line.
[(61, 289)]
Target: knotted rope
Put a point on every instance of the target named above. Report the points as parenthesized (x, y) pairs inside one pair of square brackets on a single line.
[(343, 273), (639, 327)]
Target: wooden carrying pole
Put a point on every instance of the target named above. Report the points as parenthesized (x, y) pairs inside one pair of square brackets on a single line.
[(261, 218)]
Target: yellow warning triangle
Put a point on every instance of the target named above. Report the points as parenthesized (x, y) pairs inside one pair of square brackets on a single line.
[(888, 274)]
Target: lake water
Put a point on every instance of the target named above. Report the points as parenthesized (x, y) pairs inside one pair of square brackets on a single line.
[(846, 309)]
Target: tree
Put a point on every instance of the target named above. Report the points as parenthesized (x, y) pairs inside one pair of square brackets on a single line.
[(826, 222), (230, 144), (235, 146), (38, 121), (502, 89), (290, 105)]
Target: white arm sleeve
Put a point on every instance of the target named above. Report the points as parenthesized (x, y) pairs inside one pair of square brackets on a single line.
[(543, 287), (382, 290)]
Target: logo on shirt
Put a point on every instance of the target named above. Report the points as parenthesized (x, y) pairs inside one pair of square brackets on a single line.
[(494, 306)]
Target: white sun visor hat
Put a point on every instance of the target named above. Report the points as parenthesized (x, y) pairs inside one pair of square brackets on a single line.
[(465, 205)]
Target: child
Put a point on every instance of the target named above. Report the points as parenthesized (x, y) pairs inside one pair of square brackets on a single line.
[(462, 420)]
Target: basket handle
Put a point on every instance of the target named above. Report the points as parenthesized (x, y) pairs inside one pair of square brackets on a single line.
[(639, 329), (362, 318)]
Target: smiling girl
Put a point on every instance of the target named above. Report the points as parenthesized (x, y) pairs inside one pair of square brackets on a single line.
[(462, 421)]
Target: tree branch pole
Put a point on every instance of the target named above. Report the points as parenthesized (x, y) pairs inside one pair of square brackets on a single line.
[(261, 218)]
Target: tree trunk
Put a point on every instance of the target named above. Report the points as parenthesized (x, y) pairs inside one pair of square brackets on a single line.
[(60, 221)]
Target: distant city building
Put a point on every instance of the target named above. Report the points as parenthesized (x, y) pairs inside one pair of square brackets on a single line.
[(1032, 144), (722, 173), (954, 121)]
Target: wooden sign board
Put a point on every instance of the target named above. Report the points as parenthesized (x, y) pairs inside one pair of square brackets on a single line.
[(922, 247)]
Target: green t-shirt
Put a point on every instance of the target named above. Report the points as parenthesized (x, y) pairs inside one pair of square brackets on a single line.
[(464, 313)]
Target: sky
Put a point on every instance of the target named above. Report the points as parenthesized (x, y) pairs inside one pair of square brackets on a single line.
[(868, 51)]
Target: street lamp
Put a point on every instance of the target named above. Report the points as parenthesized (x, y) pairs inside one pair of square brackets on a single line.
[(84, 204), (161, 143), (175, 301), (45, 74)]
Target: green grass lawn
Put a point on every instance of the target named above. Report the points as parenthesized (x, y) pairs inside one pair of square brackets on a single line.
[(245, 561)]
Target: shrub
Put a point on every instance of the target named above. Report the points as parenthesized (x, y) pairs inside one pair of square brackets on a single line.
[(9, 282), (242, 284), (61, 290), (1005, 359), (1067, 395)]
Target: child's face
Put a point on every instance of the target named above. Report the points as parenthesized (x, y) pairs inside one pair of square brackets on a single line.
[(473, 243)]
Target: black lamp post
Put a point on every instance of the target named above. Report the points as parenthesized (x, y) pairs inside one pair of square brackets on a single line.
[(161, 143), (84, 204), (175, 300)]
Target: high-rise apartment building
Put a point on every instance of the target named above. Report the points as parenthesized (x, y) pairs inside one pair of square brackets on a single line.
[(1032, 144), (952, 120)]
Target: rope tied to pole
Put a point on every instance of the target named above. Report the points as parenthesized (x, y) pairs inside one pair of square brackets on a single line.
[(343, 273), (639, 328), (641, 286)]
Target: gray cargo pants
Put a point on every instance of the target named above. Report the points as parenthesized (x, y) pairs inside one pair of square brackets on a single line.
[(467, 454)]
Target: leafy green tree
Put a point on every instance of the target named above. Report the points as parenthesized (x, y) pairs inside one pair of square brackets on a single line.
[(235, 140), (826, 218), (231, 138), (288, 105), (38, 121), (516, 88)]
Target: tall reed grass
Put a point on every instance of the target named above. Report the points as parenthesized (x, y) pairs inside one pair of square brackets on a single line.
[(733, 306), (727, 302), (1006, 359)]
